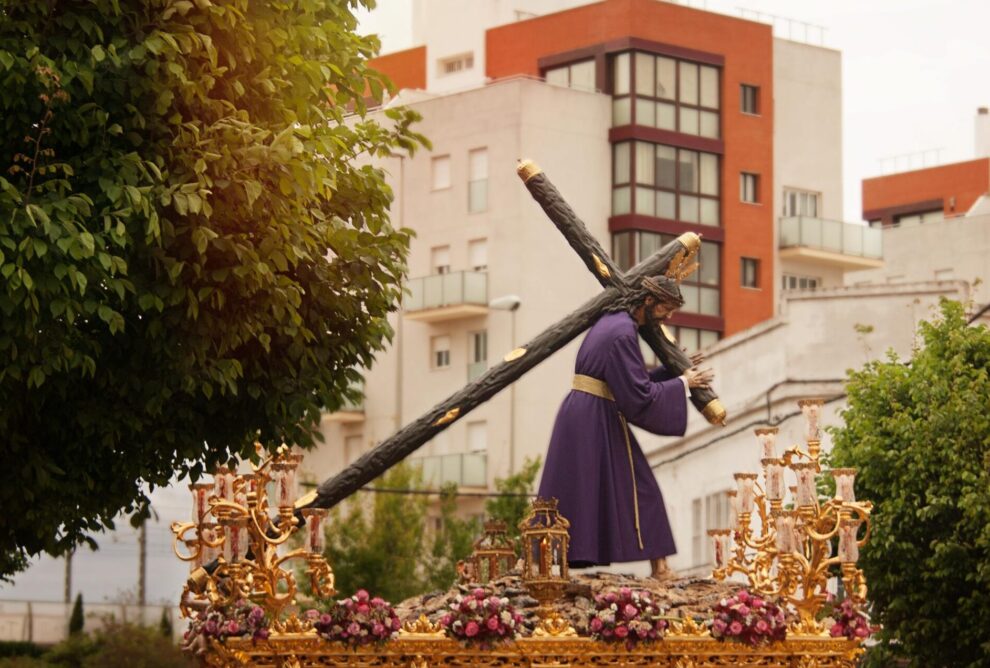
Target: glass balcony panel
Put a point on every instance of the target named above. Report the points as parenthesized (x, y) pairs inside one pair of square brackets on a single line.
[(433, 291), (453, 288), (831, 234), (450, 469), (450, 289), (852, 239), (475, 370), (430, 467), (811, 232), (790, 232), (475, 469)]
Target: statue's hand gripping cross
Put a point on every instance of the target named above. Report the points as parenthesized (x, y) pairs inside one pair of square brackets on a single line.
[(619, 287)]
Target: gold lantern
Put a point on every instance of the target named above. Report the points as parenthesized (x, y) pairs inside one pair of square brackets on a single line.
[(544, 540), (494, 553)]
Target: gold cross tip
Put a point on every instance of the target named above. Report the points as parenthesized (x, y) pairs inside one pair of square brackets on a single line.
[(527, 169)]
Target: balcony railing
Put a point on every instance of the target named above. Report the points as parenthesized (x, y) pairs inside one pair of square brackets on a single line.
[(466, 469), (832, 236), (460, 293)]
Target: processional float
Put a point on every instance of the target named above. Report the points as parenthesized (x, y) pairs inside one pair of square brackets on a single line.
[(238, 541)]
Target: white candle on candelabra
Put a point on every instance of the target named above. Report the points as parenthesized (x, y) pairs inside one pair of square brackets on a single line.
[(201, 494), (786, 538), (812, 409), (315, 540), (775, 482), (806, 493), (745, 482), (768, 440), (223, 480), (848, 547), (845, 480), (733, 507)]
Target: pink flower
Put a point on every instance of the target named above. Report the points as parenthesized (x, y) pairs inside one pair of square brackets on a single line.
[(396, 624), (261, 634), (377, 601), (479, 593), (471, 629), (718, 626), (762, 626), (621, 632), (377, 629), (626, 592), (492, 623), (354, 628), (630, 611), (735, 628), (596, 625), (362, 595), (363, 608), (325, 618), (837, 629), (743, 596), (312, 614), (610, 597), (743, 610), (863, 631)]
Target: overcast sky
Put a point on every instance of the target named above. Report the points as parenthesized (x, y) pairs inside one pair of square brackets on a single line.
[(914, 72)]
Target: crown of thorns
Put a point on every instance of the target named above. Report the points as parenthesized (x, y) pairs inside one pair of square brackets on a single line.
[(664, 289)]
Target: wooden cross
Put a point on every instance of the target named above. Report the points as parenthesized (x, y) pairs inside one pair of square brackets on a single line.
[(620, 289)]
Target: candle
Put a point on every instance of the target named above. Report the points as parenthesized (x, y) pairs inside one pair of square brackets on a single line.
[(285, 483), (745, 482), (786, 538), (201, 494), (848, 547), (223, 483), (812, 409), (845, 484), (315, 539), (774, 480), (731, 495), (768, 441), (806, 493)]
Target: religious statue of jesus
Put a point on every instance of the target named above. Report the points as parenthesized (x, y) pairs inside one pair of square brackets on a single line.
[(595, 467)]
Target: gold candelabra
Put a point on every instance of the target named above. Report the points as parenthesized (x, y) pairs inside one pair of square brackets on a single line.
[(235, 540), (787, 553), (493, 555)]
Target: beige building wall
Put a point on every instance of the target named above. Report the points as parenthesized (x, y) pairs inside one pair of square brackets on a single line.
[(566, 132), (807, 105)]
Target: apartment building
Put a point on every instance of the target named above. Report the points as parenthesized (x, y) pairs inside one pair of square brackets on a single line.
[(652, 119)]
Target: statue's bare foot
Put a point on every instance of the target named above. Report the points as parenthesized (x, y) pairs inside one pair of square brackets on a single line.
[(659, 570)]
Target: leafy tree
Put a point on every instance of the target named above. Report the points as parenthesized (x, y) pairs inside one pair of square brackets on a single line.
[(919, 433), (194, 252), (453, 542), (511, 509), (377, 543), (77, 620)]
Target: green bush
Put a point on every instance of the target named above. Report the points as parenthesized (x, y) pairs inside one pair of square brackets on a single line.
[(11, 648), (919, 433), (77, 620)]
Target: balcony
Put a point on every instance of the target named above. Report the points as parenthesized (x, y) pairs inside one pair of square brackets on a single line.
[(832, 242), (350, 411), (476, 369), (466, 469), (450, 296)]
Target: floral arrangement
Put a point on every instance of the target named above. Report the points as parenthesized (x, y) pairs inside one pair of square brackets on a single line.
[(850, 622), (243, 619), (626, 615), (481, 618), (358, 620), (748, 619)]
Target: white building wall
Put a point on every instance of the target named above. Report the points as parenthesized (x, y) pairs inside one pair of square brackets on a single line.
[(807, 140), (455, 27)]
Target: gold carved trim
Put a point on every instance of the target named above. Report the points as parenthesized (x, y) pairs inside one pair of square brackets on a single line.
[(527, 169), (714, 412), (421, 628), (600, 267), (447, 417), (513, 355), (691, 241)]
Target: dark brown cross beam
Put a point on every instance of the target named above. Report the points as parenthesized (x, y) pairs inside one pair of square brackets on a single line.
[(619, 292), (609, 275)]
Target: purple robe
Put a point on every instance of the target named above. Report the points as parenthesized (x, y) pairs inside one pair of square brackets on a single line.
[(587, 467)]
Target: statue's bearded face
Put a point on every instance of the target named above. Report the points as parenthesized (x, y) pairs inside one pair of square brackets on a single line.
[(657, 310)]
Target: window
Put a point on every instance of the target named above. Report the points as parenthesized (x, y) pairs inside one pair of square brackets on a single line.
[(662, 92), (477, 180), (440, 169), (478, 351), (477, 437), (440, 259), (801, 203), (701, 290), (455, 64), (440, 349), (352, 448), (792, 282), (749, 187), (575, 75), (478, 254), (707, 513), (750, 273), (749, 97), (671, 183)]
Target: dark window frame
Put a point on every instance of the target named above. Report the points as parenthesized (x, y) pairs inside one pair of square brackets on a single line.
[(743, 88), (749, 268), (756, 187)]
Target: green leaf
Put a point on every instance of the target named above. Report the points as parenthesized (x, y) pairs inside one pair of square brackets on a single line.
[(98, 53)]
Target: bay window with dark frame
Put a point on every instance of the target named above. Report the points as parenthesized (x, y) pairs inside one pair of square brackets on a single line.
[(660, 91)]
